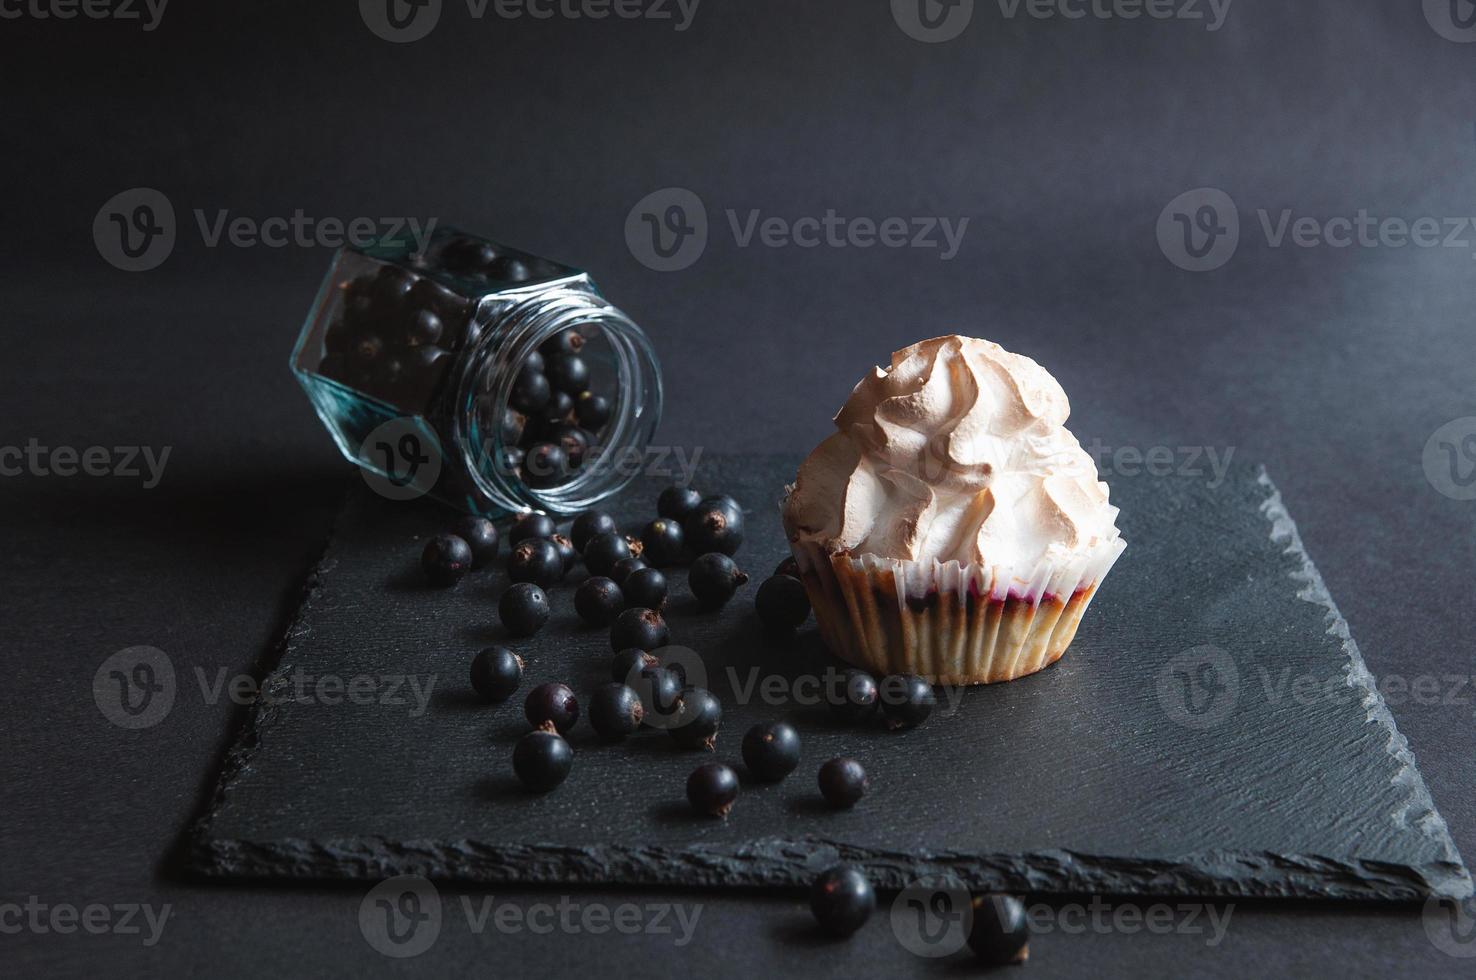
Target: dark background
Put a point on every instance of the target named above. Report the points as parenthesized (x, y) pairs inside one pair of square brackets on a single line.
[(1061, 141)]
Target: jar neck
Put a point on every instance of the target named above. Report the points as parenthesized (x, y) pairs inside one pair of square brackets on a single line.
[(510, 336)]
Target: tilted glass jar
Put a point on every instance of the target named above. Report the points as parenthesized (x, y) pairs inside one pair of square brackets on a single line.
[(492, 379)]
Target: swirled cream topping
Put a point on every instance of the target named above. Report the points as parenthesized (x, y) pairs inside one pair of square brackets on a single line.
[(958, 451)]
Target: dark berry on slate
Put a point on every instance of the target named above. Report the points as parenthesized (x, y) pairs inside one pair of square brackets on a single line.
[(542, 760), (573, 440), (568, 373), (623, 569), (536, 560), (642, 628), (523, 609), (842, 900), (509, 269), (425, 330), (591, 410), (530, 392), (771, 750), (445, 559), (598, 601), (532, 525), (856, 697), (660, 689), (677, 502), (628, 663), (482, 535), (467, 255), (590, 524), (1000, 932), (552, 704), (496, 673), (663, 542), (699, 715), (563, 342), (788, 567), (906, 700), (843, 782), (546, 465), (603, 551), (782, 602), (716, 525), (712, 788), (566, 552), (645, 587), (615, 711), (714, 578)]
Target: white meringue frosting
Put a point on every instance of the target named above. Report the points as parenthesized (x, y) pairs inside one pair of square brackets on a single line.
[(957, 452)]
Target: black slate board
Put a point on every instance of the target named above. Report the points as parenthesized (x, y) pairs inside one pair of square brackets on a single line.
[(1088, 777)]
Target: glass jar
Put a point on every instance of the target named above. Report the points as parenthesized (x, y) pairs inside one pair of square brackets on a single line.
[(492, 379)]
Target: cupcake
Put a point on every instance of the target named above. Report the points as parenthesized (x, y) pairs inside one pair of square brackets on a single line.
[(952, 527)]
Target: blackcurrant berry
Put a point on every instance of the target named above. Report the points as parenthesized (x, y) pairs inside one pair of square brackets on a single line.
[(1000, 932), (532, 525), (424, 330), (664, 542), (782, 603), (590, 524), (445, 559), (623, 569), (567, 553), (542, 760), (530, 391), (552, 704), (713, 578), (568, 373), (660, 689), (771, 751), (906, 700), (496, 673), (573, 440), (615, 711), (564, 342), (843, 782), (509, 269), (523, 609), (716, 525), (642, 628), (546, 465), (712, 789), (603, 551), (842, 900), (699, 715), (856, 698), (598, 601), (675, 503), (536, 560), (467, 255), (628, 663), (482, 535), (592, 410), (645, 587)]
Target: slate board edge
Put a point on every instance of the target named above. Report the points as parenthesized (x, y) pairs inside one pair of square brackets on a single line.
[(1419, 812), (784, 862)]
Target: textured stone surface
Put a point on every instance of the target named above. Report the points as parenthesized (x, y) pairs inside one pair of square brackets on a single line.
[(1093, 776)]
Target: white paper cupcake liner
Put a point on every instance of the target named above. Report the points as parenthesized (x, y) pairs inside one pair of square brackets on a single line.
[(948, 622)]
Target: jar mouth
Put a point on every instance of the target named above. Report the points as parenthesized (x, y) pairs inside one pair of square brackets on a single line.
[(631, 374)]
